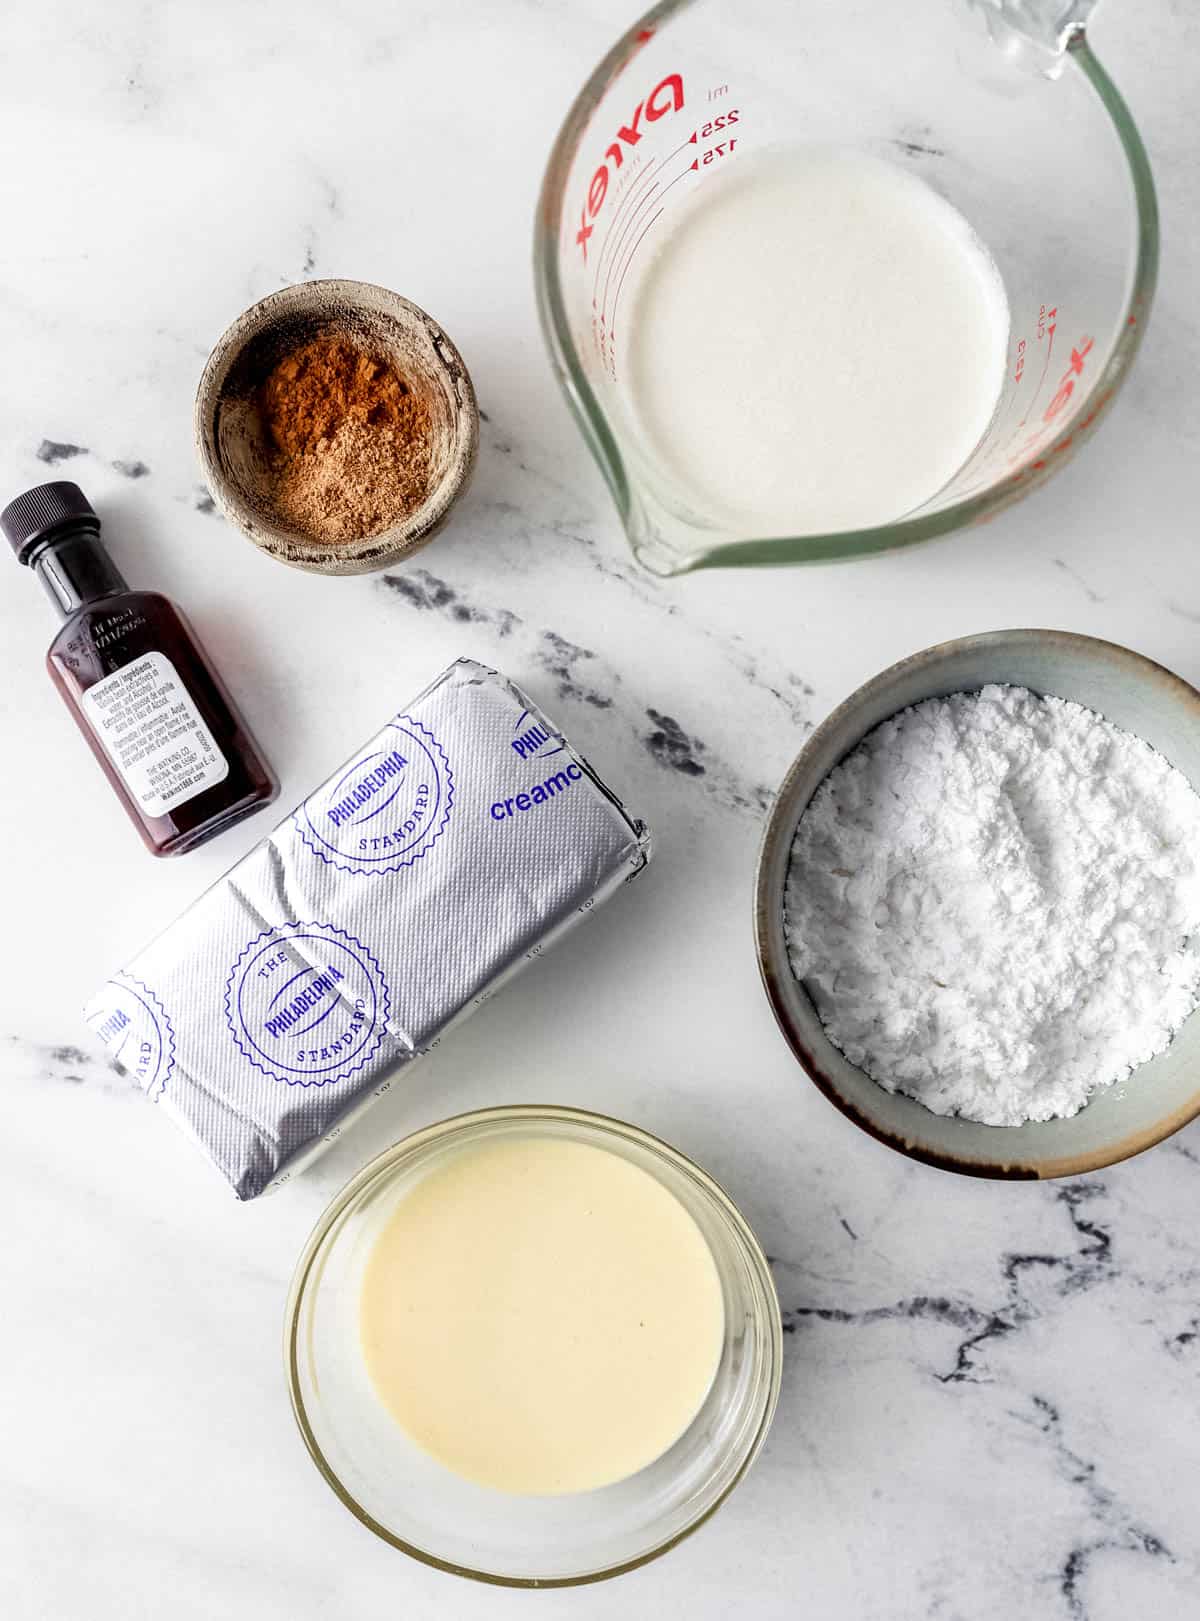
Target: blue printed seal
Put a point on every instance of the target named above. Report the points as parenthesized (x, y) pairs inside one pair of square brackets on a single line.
[(307, 1003), (387, 808), (133, 1024), (534, 739)]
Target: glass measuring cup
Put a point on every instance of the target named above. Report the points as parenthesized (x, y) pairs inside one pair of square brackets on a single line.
[(1013, 121)]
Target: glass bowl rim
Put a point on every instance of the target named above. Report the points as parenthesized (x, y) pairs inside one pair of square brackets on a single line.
[(466, 1124)]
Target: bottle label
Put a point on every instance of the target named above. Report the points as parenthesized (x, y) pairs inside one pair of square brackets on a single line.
[(154, 734)]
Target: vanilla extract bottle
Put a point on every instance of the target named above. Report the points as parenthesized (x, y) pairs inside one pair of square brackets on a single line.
[(152, 708)]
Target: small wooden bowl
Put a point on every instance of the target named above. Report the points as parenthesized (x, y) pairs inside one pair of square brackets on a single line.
[(229, 435)]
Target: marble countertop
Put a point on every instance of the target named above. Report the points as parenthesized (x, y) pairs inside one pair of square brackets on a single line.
[(990, 1392)]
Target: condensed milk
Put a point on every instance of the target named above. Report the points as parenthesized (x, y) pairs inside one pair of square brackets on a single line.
[(541, 1315)]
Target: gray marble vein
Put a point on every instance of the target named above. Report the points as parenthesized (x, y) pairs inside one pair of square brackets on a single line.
[(990, 1392), (54, 451), (577, 676)]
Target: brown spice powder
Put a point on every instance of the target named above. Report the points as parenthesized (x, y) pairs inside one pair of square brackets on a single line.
[(350, 440)]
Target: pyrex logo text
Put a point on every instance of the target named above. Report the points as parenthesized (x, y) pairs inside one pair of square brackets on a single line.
[(666, 97)]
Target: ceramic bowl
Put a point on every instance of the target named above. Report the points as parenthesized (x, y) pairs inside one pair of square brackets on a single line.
[(1119, 1120), (228, 435)]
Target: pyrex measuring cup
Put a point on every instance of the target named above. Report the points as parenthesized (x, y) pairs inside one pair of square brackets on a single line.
[(1013, 120)]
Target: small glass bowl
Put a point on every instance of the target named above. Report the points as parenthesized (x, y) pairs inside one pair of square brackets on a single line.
[(422, 1508)]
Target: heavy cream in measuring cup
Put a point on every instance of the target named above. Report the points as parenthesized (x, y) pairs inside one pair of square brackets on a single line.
[(541, 1316), (818, 345)]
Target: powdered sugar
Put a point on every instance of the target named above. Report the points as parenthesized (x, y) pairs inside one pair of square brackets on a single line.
[(994, 902)]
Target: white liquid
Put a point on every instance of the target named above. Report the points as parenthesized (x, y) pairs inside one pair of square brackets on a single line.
[(818, 345), (542, 1316)]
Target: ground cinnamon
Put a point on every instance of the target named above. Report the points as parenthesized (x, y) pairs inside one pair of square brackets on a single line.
[(349, 440)]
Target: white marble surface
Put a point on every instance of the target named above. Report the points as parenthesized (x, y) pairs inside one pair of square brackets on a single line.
[(990, 1395)]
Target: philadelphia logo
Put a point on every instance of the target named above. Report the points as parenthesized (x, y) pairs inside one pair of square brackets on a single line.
[(533, 739), (324, 982), (132, 1023), (389, 773), (307, 1003), (387, 808)]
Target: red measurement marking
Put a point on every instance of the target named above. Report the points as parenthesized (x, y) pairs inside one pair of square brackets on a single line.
[(714, 126), (666, 97), (1063, 393), (630, 203), (619, 238), (615, 231), (1042, 330), (627, 232), (633, 250), (625, 270), (713, 153), (1067, 386)]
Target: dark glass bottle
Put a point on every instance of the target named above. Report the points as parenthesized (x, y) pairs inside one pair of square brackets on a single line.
[(154, 711)]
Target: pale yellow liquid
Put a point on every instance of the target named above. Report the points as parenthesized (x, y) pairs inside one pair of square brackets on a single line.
[(541, 1315)]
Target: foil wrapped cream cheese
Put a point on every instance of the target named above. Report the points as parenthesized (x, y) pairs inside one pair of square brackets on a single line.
[(448, 851)]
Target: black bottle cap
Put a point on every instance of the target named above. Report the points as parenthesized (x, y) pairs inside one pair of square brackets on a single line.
[(36, 515)]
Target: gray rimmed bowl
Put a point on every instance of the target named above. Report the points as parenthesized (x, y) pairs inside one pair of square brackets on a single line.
[(1119, 1120), (229, 441)]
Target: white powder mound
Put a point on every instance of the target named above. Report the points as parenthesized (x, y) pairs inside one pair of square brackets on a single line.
[(994, 903)]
